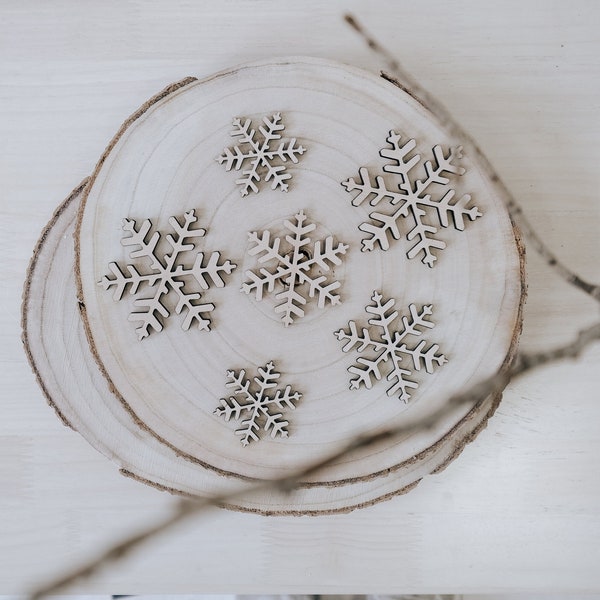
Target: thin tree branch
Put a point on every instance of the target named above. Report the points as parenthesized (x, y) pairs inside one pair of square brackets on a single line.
[(406, 82), (184, 509)]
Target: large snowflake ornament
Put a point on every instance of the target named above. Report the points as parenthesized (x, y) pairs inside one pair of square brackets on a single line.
[(413, 199), (166, 274), (390, 347), (298, 266), (258, 157), (260, 405)]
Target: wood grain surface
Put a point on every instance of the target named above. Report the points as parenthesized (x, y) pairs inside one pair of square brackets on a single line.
[(521, 499)]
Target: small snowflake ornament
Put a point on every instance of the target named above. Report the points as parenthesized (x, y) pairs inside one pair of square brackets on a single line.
[(258, 403), (390, 347), (411, 200), (298, 265), (258, 156), (166, 274)]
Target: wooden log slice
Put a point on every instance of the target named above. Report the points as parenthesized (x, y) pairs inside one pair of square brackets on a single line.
[(162, 164)]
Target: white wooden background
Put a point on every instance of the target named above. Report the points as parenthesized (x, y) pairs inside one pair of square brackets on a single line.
[(520, 509)]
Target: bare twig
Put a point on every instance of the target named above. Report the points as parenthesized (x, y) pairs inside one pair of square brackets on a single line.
[(406, 82), (186, 508)]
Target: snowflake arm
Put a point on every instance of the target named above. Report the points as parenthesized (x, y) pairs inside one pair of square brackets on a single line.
[(457, 210), (260, 282), (443, 165), (291, 305), (148, 316), (329, 254), (362, 340), (286, 398), (142, 248), (205, 272), (380, 234), (401, 384), (324, 293), (145, 248), (428, 357), (229, 408), (384, 314), (416, 321), (290, 151), (120, 281), (183, 233), (263, 245), (194, 311), (299, 229), (235, 159), (267, 379), (375, 192), (241, 385), (247, 181), (249, 428), (425, 243), (270, 129), (398, 154), (365, 374)]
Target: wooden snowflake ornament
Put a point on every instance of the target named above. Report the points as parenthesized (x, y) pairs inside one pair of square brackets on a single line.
[(258, 156), (165, 274), (411, 200), (297, 265), (390, 347), (259, 407)]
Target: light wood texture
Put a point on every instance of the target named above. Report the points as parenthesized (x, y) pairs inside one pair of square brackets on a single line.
[(522, 78), (162, 161)]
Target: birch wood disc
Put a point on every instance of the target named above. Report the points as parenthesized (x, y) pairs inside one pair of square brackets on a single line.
[(162, 164)]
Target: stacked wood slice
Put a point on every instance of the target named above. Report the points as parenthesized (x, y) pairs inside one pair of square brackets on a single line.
[(263, 264)]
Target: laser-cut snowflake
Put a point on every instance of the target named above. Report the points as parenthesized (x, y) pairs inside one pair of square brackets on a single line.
[(412, 200), (259, 155), (257, 404), (166, 273), (389, 348), (298, 267)]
